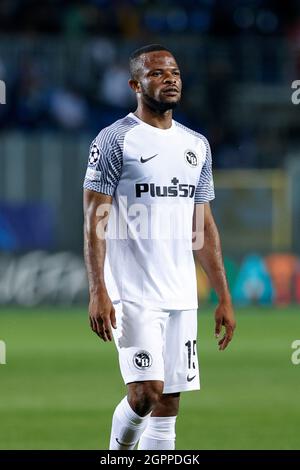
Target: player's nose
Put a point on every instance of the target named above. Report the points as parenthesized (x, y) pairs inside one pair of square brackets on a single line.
[(169, 78)]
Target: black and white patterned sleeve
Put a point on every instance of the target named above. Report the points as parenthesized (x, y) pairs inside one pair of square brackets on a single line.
[(104, 164), (205, 189)]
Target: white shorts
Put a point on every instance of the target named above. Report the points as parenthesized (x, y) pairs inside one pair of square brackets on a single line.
[(157, 344)]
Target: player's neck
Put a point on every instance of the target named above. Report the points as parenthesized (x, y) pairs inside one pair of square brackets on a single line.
[(156, 119)]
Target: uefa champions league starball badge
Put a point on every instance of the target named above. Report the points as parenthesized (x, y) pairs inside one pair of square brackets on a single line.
[(94, 155)]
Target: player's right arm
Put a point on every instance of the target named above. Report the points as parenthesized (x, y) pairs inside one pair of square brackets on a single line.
[(101, 311)]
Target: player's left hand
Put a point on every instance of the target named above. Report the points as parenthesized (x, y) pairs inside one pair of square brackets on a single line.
[(224, 316)]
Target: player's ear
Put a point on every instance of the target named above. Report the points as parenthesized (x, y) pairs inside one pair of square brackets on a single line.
[(134, 85)]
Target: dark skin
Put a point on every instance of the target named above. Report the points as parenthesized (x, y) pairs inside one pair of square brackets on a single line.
[(157, 84), (159, 78), (101, 310), (210, 258)]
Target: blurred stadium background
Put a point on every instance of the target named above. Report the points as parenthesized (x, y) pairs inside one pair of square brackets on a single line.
[(64, 65)]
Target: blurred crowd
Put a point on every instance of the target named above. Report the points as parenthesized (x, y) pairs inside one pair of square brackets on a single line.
[(131, 18), (65, 66), (76, 98)]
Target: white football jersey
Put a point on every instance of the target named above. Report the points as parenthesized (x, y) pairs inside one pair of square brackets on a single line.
[(155, 177)]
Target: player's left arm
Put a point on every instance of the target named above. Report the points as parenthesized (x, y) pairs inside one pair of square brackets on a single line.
[(210, 258)]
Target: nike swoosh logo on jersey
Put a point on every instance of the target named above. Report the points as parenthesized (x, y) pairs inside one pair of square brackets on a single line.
[(189, 379), (144, 160), (122, 443)]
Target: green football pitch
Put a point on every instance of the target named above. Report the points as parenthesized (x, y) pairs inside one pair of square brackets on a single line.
[(60, 384)]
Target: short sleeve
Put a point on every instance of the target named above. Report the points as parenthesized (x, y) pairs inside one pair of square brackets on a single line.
[(205, 189), (104, 165)]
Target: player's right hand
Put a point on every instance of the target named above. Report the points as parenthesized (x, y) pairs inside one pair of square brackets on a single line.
[(102, 316)]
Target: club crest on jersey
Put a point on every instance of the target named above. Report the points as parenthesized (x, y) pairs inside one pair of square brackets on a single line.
[(142, 360), (94, 155), (191, 158)]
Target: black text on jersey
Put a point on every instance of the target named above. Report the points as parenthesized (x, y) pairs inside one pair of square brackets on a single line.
[(176, 190)]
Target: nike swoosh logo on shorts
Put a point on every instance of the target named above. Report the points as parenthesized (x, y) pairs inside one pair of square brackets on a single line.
[(122, 443), (144, 160), (189, 379)]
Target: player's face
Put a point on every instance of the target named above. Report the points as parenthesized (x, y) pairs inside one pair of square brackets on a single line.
[(159, 80)]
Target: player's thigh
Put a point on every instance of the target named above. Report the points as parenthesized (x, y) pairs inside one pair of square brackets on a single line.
[(139, 338), (180, 352)]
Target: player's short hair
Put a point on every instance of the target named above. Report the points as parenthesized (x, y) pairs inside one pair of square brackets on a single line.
[(134, 57)]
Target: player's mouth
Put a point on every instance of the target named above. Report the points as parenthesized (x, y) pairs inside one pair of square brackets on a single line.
[(170, 91)]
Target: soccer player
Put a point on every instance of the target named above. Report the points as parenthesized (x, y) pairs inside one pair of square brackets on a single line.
[(147, 178)]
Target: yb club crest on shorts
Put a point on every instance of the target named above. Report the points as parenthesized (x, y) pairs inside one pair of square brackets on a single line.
[(142, 360), (191, 158)]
